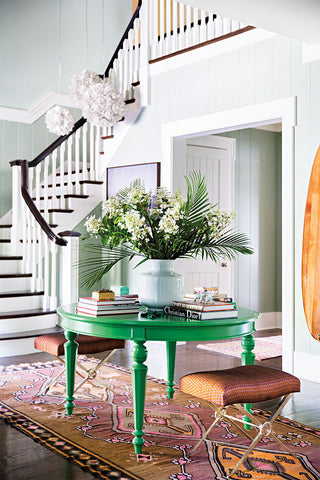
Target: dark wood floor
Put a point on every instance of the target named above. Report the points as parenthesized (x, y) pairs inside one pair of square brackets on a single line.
[(23, 459)]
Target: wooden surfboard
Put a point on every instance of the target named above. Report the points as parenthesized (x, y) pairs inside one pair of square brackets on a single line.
[(311, 252)]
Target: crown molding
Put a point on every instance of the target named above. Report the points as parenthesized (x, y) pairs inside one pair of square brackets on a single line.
[(35, 112)]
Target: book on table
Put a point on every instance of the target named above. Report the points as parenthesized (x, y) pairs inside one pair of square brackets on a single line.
[(108, 311), (204, 307), (199, 315), (119, 300)]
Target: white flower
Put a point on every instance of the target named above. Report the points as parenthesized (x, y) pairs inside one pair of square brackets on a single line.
[(137, 194), (168, 225), (112, 207), (102, 105), (93, 224), (80, 83), (59, 121), (135, 225)]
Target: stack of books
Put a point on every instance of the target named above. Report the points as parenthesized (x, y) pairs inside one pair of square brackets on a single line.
[(201, 311), (119, 306)]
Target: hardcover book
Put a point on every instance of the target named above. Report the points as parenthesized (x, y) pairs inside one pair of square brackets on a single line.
[(204, 307), (196, 315)]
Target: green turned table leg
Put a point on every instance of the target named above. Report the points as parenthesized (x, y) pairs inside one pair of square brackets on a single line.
[(171, 359), (247, 358), (139, 376), (70, 350)]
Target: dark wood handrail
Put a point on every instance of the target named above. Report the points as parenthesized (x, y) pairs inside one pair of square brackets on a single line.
[(82, 120), (32, 206)]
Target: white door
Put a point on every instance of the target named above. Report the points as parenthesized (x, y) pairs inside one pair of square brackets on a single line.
[(214, 157)]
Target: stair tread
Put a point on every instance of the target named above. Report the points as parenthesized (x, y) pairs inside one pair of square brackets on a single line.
[(31, 333), (5, 226), (21, 293), (68, 195), (31, 312), (5, 240), (15, 275), (91, 182), (58, 210), (10, 257)]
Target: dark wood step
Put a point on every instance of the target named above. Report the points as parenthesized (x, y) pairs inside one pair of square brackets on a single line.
[(58, 210), (131, 100), (15, 275), (5, 240), (93, 182), (90, 182), (68, 195), (5, 226), (135, 84), (106, 137), (10, 257), (23, 293), (31, 333), (72, 173)]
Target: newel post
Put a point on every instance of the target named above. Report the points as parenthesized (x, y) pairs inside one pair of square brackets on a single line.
[(16, 230), (144, 53), (69, 268)]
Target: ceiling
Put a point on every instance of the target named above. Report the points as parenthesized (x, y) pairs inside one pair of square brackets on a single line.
[(298, 19)]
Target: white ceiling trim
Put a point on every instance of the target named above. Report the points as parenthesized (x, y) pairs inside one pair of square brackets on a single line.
[(35, 112)]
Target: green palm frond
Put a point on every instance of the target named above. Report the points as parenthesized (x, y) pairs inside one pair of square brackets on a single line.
[(197, 202), (102, 260)]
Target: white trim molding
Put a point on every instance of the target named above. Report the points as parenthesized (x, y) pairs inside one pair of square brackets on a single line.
[(35, 112), (269, 320), (212, 50), (284, 111)]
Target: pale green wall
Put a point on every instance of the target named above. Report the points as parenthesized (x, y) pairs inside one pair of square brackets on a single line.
[(268, 70), (257, 203), (44, 42)]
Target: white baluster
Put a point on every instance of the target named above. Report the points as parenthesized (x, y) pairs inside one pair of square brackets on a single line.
[(120, 60), (62, 167), (196, 29), (125, 91), (33, 251), (115, 74), (17, 229), (28, 241), (131, 62), (77, 161), (217, 26), (174, 41), (226, 26), (161, 33), (168, 28), (92, 171), (24, 237), (69, 271), (182, 35), (53, 285), (54, 180), (154, 25), (210, 26), (46, 190), (144, 55), (38, 185), (136, 26), (69, 160), (203, 27), (46, 273), (39, 259), (188, 25)]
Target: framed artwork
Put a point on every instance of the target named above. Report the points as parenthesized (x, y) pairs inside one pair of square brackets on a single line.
[(120, 177)]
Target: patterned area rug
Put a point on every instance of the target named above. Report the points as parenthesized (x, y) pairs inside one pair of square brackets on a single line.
[(97, 436), (268, 347)]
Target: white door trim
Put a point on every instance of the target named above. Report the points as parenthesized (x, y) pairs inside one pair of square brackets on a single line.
[(283, 110)]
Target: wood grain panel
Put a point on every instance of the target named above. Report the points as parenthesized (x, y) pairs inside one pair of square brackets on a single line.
[(311, 252)]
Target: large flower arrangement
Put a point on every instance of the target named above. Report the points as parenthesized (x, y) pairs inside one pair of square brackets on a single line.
[(161, 226)]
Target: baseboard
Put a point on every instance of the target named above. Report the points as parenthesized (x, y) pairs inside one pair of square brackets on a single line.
[(306, 366), (268, 320)]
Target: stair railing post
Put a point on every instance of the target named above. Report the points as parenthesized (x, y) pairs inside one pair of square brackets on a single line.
[(144, 54), (16, 230), (69, 268)]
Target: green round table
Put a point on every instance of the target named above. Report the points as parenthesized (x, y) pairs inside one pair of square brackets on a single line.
[(140, 329)]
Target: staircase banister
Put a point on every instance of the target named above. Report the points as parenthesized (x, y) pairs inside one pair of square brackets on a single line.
[(123, 38), (32, 206)]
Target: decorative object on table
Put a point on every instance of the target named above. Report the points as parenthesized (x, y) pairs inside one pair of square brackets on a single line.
[(311, 253), (59, 120), (265, 347), (103, 294), (89, 437), (120, 289), (161, 228), (235, 387), (195, 310), (98, 99), (118, 306)]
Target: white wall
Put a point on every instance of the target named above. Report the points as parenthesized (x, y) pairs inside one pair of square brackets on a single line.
[(265, 71)]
